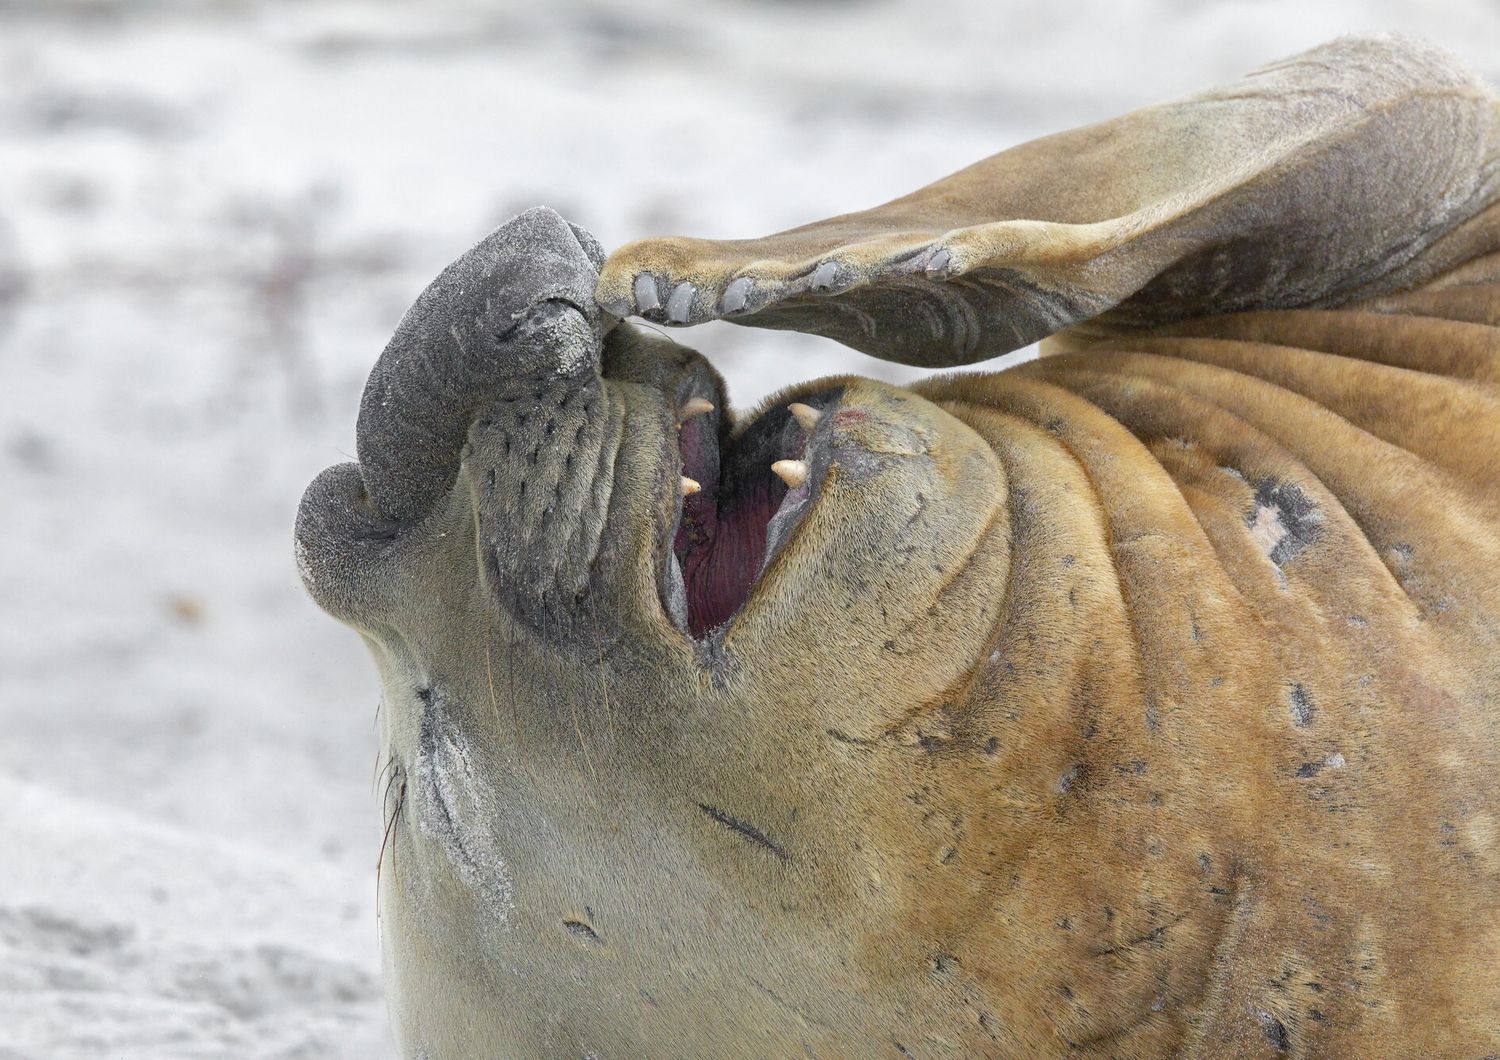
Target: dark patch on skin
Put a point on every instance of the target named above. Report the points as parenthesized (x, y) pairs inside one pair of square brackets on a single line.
[(583, 932), (1299, 519), (844, 737), (1154, 936), (749, 831), (1301, 706), (1275, 1031), (943, 963), (1314, 913), (1309, 769)]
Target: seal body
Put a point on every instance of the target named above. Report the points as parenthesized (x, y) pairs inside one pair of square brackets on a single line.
[(1140, 701)]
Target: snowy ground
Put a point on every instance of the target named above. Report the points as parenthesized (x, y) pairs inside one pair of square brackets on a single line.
[(211, 216)]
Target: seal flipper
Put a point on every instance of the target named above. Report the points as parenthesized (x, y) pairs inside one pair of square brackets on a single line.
[(1309, 183)]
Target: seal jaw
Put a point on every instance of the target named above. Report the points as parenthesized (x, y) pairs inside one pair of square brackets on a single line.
[(750, 488)]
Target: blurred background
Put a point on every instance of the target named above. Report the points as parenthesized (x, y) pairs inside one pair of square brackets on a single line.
[(212, 214)]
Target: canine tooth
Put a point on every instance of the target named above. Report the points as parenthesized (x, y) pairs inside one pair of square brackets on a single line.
[(689, 486), (806, 415), (792, 472), (695, 407)]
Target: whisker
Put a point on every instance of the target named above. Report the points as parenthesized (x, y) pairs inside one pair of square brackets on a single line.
[(385, 796), (389, 831), (582, 746), (390, 760), (510, 668), (609, 714), (572, 703), (647, 324), (396, 817), (489, 673)]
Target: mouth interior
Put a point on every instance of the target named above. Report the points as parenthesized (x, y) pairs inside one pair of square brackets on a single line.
[(742, 511)]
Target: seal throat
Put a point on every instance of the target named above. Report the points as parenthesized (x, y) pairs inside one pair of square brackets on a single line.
[(741, 495)]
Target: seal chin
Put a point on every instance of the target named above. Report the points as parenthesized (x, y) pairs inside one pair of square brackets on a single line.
[(743, 491)]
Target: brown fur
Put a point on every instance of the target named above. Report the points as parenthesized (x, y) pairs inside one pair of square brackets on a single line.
[(1140, 701)]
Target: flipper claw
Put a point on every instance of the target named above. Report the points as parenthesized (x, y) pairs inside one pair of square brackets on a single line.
[(735, 295), (680, 303), (646, 298)]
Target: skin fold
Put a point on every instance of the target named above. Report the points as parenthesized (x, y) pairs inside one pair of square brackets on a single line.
[(1140, 701)]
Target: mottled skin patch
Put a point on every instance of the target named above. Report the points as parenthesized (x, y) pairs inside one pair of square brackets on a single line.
[(1140, 701), (1283, 520)]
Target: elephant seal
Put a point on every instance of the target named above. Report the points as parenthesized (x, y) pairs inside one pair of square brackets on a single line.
[(1139, 701)]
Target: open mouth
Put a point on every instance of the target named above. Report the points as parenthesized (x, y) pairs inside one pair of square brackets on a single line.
[(744, 489)]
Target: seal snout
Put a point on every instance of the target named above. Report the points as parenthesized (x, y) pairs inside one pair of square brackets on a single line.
[(511, 321)]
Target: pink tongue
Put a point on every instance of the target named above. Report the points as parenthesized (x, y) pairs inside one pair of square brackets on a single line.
[(720, 555)]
